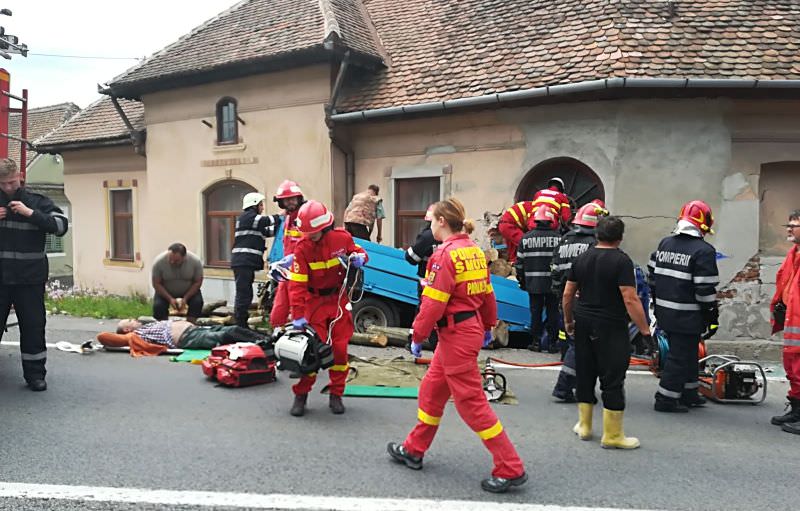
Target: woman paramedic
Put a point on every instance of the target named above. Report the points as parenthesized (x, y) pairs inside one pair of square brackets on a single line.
[(458, 299), (316, 298)]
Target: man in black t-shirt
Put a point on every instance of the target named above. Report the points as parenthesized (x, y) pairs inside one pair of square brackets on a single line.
[(604, 281)]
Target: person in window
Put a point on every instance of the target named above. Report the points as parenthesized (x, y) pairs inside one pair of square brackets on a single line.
[(25, 218), (603, 280), (247, 255), (177, 278), (363, 212), (156, 338)]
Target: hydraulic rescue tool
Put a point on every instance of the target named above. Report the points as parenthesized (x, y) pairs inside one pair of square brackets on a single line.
[(494, 383), (722, 378)]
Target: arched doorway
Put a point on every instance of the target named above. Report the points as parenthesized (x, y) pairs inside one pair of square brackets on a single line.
[(582, 184)]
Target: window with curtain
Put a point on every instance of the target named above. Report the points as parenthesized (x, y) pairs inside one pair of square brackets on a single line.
[(223, 204), (227, 119), (412, 198), (121, 222)]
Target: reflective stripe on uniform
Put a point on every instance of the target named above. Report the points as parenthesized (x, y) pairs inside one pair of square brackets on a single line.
[(537, 274), (430, 420), (673, 273), (293, 234), (668, 393), (22, 255), (413, 255), (568, 370), (298, 277), (562, 266), (257, 219), (324, 265), (706, 280), (548, 200), (791, 329), (435, 294), (248, 233), (61, 224), (691, 385), (20, 226), (677, 306), (791, 342), (42, 355), (489, 289), (247, 251), (514, 214), (534, 254), (471, 275), (339, 367), (489, 433), (705, 298)]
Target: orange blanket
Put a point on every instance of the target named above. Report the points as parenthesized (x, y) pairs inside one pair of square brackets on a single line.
[(139, 347)]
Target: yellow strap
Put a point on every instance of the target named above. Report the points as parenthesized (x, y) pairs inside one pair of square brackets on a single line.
[(339, 367), (430, 420), (488, 434), (324, 265), (435, 294), (471, 275), (293, 234), (298, 277)]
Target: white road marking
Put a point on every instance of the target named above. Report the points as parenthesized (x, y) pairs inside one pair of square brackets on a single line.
[(257, 501)]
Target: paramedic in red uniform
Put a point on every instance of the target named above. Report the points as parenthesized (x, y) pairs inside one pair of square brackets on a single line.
[(514, 221), (785, 308), (289, 198), (458, 299), (316, 296)]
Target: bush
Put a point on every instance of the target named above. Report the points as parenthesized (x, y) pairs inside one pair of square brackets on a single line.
[(93, 303)]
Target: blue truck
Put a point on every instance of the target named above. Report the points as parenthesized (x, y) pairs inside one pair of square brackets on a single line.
[(390, 291)]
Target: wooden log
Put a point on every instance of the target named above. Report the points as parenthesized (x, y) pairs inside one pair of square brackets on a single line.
[(395, 336), (378, 340), (210, 306)]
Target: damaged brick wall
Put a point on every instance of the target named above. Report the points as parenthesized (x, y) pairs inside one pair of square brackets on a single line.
[(744, 303)]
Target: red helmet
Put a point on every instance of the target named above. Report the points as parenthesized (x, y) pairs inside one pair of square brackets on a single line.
[(313, 217), (599, 202), (287, 189), (698, 213), (543, 214), (589, 214)]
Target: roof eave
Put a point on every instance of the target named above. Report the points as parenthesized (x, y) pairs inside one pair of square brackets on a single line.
[(83, 144)]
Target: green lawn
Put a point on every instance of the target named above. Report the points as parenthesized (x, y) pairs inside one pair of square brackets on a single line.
[(101, 307)]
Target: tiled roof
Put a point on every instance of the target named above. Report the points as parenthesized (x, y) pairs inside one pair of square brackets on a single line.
[(96, 123), (448, 49), (41, 121), (255, 31)]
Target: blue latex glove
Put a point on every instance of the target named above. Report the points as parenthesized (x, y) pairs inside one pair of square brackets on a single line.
[(280, 271), (487, 338), (300, 323), (358, 259), (416, 349)]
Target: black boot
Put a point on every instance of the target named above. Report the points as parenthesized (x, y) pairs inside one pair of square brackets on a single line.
[(399, 454), (37, 384), (693, 400), (500, 485), (336, 405), (566, 396), (669, 405), (299, 405), (793, 414), (792, 427)]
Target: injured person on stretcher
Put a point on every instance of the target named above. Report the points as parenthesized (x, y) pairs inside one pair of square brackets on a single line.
[(155, 338)]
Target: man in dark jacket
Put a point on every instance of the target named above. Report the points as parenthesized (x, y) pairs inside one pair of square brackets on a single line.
[(25, 219), (247, 256), (418, 254), (533, 266)]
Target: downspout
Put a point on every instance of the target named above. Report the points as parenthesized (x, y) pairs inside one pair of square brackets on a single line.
[(330, 108), (137, 136)]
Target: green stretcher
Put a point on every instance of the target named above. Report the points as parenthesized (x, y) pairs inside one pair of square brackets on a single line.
[(191, 356), (380, 391)]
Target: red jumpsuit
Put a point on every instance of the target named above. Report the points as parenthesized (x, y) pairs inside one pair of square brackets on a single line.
[(458, 282), (514, 224), (787, 290), (279, 314), (556, 200), (316, 280)]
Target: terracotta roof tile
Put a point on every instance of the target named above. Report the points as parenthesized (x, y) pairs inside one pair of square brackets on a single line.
[(97, 122), (41, 121), (558, 41), (257, 30)]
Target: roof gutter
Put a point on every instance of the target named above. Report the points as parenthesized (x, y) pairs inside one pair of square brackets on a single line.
[(564, 90)]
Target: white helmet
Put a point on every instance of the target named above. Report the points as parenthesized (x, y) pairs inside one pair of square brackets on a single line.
[(252, 199)]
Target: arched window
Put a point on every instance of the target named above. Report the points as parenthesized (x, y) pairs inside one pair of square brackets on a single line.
[(223, 204), (227, 121), (582, 184)]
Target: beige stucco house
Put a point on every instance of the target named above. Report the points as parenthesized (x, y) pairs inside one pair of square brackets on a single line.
[(644, 104)]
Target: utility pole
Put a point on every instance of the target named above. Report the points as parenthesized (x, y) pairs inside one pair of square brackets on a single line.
[(9, 44)]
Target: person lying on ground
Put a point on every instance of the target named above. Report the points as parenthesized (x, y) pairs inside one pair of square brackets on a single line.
[(156, 338)]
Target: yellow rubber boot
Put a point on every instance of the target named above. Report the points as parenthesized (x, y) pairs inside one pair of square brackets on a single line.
[(584, 426), (613, 436)]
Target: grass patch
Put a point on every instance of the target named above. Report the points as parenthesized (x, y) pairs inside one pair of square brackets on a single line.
[(100, 307)]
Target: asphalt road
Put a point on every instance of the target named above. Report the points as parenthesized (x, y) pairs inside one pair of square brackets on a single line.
[(109, 420)]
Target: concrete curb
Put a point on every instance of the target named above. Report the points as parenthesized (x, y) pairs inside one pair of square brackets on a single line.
[(756, 349)]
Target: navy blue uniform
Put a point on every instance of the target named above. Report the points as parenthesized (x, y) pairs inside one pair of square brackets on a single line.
[(683, 279), (533, 266), (247, 256)]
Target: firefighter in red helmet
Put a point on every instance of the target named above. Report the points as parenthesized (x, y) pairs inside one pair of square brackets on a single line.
[(316, 296), (459, 301), (289, 197)]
